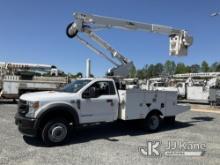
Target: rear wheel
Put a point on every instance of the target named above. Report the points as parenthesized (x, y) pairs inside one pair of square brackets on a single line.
[(152, 122), (55, 132)]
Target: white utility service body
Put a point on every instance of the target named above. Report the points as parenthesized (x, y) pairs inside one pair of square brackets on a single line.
[(137, 103)]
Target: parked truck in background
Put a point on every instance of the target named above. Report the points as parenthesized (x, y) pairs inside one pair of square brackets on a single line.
[(19, 78), (12, 86)]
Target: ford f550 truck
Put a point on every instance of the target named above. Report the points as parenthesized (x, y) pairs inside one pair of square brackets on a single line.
[(53, 114)]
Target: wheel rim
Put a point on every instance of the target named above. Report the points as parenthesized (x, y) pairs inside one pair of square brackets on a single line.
[(57, 132), (154, 122)]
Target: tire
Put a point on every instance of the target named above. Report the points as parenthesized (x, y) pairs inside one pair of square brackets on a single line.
[(152, 122), (55, 132), (169, 120)]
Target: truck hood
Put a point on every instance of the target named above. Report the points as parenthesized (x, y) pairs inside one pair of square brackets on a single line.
[(47, 96)]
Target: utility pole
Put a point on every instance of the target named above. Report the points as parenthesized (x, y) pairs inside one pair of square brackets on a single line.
[(88, 68)]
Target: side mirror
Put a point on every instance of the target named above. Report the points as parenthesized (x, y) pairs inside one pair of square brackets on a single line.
[(89, 93)]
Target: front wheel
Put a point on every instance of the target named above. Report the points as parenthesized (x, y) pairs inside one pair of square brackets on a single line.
[(55, 132), (152, 122)]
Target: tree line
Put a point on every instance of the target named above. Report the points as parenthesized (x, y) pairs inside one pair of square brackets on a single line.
[(170, 68)]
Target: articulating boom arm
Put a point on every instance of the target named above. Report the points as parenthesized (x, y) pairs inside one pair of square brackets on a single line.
[(108, 22), (179, 39), (107, 46)]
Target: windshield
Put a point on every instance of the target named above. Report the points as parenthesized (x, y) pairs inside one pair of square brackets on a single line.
[(75, 86)]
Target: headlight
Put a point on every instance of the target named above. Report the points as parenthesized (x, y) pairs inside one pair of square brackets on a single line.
[(33, 106)]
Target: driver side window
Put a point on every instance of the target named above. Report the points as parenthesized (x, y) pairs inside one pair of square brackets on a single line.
[(102, 88)]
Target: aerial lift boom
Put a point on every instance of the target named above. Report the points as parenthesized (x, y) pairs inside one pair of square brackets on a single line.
[(87, 23)]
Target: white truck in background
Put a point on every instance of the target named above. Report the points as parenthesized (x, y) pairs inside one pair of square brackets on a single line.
[(12, 86), (19, 78), (52, 115), (199, 87)]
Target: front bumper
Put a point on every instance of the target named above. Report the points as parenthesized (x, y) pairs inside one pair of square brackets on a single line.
[(26, 126)]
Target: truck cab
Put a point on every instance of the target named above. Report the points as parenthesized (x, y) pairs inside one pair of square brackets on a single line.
[(80, 102)]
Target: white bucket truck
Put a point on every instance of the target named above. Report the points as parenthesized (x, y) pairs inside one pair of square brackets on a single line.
[(87, 101)]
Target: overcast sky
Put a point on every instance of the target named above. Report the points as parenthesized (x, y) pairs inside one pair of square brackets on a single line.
[(33, 31)]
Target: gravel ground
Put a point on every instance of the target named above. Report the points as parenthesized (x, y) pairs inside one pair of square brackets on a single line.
[(115, 143)]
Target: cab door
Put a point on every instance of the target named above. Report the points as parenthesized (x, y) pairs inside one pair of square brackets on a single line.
[(99, 103)]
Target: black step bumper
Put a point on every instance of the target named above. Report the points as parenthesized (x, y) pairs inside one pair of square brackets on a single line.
[(26, 126)]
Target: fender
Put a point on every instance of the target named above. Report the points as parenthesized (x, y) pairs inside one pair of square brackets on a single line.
[(154, 111), (58, 107)]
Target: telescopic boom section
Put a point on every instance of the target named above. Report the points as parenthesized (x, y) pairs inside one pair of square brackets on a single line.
[(179, 40)]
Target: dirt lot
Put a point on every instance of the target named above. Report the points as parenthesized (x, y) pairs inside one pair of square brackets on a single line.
[(115, 143)]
